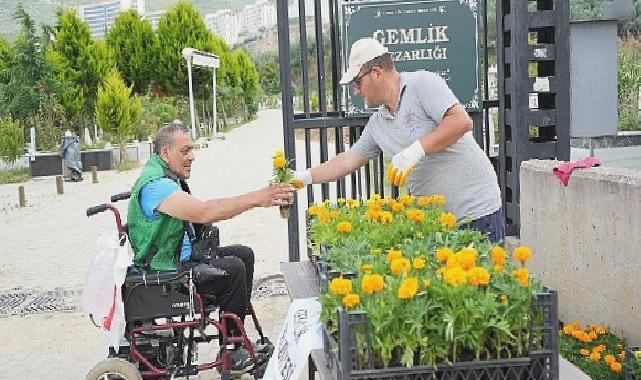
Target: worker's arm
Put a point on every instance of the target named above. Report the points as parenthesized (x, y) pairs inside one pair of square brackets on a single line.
[(335, 168)]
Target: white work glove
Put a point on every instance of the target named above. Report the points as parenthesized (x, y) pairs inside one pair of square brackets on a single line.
[(303, 175), (404, 162)]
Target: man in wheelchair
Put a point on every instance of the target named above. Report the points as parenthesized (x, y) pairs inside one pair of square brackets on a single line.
[(169, 228)]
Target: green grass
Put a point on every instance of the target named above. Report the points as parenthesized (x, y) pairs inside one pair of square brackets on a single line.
[(126, 165), (14, 175)]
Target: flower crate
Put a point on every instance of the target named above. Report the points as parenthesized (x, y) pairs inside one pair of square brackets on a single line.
[(540, 363), (632, 362)]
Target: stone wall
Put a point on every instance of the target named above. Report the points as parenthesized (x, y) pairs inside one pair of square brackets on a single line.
[(586, 241)]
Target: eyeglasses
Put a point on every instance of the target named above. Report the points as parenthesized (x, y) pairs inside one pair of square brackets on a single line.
[(356, 82)]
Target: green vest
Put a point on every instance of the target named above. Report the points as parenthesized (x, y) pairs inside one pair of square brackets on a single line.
[(154, 241)]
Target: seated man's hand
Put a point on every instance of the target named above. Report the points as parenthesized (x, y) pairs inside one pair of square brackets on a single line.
[(281, 194), (404, 162)]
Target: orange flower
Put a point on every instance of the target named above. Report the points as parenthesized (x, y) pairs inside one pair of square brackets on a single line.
[(400, 265), (595, 356), (448, 220), (600, 348), (498, 256), (478, 276), (340, 286), (344, 227), (372, 283), (522, 276), (616, 367), (568, 329), (393, 254), (279, 162), (584, 352), (419, 263), (398, 207), (351, 300), (443, 253), (386, 217), (522, 254), (466, 257), (298, 183), (609, 359), (408, 288), (423, 201)]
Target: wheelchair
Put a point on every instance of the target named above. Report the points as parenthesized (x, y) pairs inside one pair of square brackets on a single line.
[(166, 319)]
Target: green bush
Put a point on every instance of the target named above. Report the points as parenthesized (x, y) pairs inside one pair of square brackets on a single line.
[(11, 140), (629, 82)]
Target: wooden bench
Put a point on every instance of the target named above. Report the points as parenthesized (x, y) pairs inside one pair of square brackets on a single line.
[(301, 281)]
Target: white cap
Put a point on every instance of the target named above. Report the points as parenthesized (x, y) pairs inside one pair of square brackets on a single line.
[(363, 51)]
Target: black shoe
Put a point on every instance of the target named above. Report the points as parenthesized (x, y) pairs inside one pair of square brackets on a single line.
[(240, 360)]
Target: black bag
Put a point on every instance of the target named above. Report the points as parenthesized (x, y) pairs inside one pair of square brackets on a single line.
[(204, 242)]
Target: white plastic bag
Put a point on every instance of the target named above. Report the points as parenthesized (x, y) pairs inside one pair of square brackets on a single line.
[(101, 296), (301, 333)]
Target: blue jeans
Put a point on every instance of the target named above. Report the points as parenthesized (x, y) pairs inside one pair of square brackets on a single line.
[(492, 226)]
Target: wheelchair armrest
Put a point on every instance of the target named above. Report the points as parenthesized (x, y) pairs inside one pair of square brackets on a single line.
[(156, 278)]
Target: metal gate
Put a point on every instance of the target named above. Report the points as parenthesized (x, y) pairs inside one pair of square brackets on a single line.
[(316, 115)]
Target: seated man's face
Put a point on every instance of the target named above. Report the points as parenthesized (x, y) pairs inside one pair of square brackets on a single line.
[(180, 155)]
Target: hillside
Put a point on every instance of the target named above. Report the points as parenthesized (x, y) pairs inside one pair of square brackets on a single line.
[(44, 11)]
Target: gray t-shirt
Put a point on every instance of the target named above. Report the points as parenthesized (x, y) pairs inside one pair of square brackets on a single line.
[(462, 172)]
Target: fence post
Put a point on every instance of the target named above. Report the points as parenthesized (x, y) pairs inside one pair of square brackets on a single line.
[(94, 174), (21, 196), (59, 185)]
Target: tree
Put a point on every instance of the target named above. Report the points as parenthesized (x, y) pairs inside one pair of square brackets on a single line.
[(117, 113), (269, 74), (248, 82), (5, 54), (182, 26), (11, 140), (84, 62), (133, 44)]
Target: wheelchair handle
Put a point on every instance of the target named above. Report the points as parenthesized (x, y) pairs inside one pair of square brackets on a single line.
[(121, 196), (96, 209), (108, 206)]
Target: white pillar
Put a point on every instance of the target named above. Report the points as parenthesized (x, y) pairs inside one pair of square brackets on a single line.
[(214, 102), (191, 100)]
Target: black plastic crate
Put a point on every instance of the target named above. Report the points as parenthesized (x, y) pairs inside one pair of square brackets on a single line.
[(629, 355), (542, 362)]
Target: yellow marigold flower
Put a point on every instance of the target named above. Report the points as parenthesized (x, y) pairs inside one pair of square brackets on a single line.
[(455, 276), (372, 283), (394, 254), (608, 359), (323, 216), (522, 276), (593, 335), (448, 220), (600, 330), (466, 258), (522, 254), (498, 269), (415, 215), (376, 197), (452, 262), (408, 288), (279, 162), (340, 201), (503, 298), (386, 217), (312, 210), (340, 286), (423, 201), (398, 207), (427, 282), (351, 300), (584, 352), (438, 200), (399, 266), (334, 214), (297, 183), (353, 203), (279, 153), (419, 263), (568, 329), (616, 367), (345, 227), (595, 356), (600, 348), (406, 199), (478, 276), (367, 267), (443, 253), (498, 255)]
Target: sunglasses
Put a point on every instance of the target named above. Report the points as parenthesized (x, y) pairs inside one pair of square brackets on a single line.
[(356, 82)]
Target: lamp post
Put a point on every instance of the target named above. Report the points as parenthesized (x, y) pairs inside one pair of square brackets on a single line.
[(203, 59)]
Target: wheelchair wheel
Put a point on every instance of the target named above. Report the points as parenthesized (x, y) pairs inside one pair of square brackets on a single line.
[(114, 369)]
